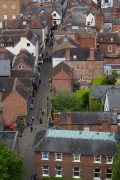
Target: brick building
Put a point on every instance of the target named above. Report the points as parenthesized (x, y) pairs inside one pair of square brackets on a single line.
[(74, 154), (9, 9), (93, 121), (85, 63)]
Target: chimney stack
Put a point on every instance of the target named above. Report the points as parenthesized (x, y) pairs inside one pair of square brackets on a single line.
[(22, 51), (67, 54), (68, 117), (91, 54), (76, 36), (70, 16), (29, 17), (105, 125)]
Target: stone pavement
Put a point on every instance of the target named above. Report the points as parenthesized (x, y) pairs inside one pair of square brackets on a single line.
[(40, 101)]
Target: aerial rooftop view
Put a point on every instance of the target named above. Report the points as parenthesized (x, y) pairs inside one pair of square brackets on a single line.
[(60, 89)]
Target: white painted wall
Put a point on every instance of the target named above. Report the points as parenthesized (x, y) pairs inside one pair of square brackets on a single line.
[(90, 18), (95, 1), (56, 61), (105, 5), (56, 18), (106, 105)]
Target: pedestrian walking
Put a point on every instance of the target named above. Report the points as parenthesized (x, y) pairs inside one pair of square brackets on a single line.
[(39, 81), (31, 128), (40, 121), (44, 86), (32, 118), (46, 53), (42, 54)]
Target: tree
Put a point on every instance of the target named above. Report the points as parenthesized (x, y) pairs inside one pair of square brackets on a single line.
[(11, 166), (63, 101), (117, 81), (116, 165), (111, 79)]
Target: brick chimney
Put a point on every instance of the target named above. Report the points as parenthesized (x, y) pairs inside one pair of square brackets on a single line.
[(105, 125), (68, 117), (118, 31), (21, 16), (91, 54), (76, 36), (70, 16), (22, 51), (67, 54), (41, 5), (29, 16), (56, 118), (38, 17)]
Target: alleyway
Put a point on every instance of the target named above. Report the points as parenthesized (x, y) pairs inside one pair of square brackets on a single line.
[(40, 101)]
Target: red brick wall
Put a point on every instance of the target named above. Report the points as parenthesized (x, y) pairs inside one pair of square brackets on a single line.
[(99, 20), (86, 166), (104, 48), (61, 82), (22, 64), (85, 43), (115, 27), (111, 61), (13, 105)]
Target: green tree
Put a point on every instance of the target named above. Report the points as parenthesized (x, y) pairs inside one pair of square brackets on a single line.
[(116, 165), (111, 79), (117, 81), (63, 101), (11, 166)]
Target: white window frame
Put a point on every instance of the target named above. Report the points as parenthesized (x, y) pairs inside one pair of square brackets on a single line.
[(74, 157), (76, 171), (81, 77), (13, 6), (46, 157), (56, 159), (108, 173), (77, 67), (21, 67), (95, 157), (107, 161), (88, 23), (28, 44), (96, 173), (4, 6), (58, 175), (45, 170), (109, 48), (86, 128), (5, 16), (13, 16)]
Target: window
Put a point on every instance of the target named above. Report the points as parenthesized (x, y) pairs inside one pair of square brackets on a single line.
[(77, 67), (97, 173), (74, 56), (109, 174), (54, 22), (58, 156), (32, 54), (1, 44), (109, 48), (97, 159), (28, 44), (88, 23), (86, 128), (45, 170), (109, 159), (76, 157), (81, 77), (76, 172), (111, 39), (106, 1), (54, 14), (45, 155), (13, 17), (21, 67), (5, 16), (4, 6), (13, 6), (100, 39), (58, 171)]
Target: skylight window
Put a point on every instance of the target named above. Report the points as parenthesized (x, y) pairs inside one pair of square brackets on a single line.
[(74, 56)]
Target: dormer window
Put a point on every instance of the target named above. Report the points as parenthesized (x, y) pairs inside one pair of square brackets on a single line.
[(54, 14)]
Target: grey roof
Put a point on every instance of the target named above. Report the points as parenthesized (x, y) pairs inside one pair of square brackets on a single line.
[(32, 36), (108, 19), (72, 145), (7, 55), (98, 92), (5, 67), (80, 8), (87, 118), (21, 74), (107, 36), (10, 138), (113, 96), (106, 10), (82, 54), (72, 23), (117, 3), (66, 39)]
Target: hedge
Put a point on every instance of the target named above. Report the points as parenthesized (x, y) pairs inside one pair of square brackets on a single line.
[(83, 94), (58, 178), (100, 81), (94, 105)]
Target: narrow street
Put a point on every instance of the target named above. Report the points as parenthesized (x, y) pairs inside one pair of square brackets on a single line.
[(40, 101)]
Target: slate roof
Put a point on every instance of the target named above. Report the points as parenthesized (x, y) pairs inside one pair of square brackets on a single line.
[(72, 23), (106, 10), (91, 146), (66, 39), (6, 37), (113, 96), (106, 37), (5, 68), (15, 84), (21, 74), (7, 55), (62, 67), (9, 137), (108, 19), (88, 118), (32, 36), (117, 3), (78, 16), (80, 8), (97, 92)]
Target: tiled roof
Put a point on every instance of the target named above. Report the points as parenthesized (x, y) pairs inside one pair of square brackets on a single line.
[(117, 3), (66, 39), (5, 68), (108, 19), (22, 74), (108, 37)]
